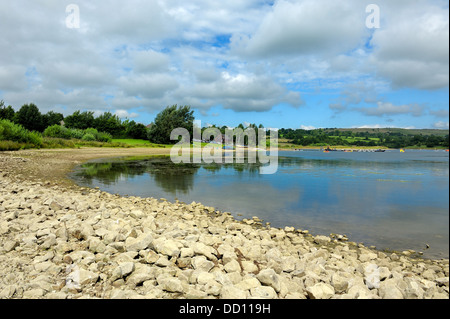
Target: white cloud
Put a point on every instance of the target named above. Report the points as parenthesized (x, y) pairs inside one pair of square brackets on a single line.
[(241, 92), (441, 125), (440, 113), (306, 27), (412, 47), (150, 61), (125, 114), (15, 72), (370, 126), (147, 85), (356, 93), (307, 127), (387, 108)]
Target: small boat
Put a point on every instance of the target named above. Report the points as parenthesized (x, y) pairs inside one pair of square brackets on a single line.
[(402, 150), (379, 150)]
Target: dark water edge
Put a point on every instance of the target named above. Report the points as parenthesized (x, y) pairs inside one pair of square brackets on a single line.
[(393, 202)]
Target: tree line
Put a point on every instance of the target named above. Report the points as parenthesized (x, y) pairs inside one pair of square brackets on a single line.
[(334, 137), (30, 117)]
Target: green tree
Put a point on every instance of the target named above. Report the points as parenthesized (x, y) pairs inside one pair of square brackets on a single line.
[(80, 120), (135, 130), (170, 118), (110, 123), (30, 118), (52, 118), (6, 113)]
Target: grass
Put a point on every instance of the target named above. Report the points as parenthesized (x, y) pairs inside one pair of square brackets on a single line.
[(137, 143), (14, 146), (133, 142), (53, 142), (356, 138)]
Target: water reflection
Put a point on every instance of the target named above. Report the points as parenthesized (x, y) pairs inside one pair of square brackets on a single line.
[(172, 178)]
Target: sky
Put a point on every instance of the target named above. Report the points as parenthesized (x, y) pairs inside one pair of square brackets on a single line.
[(284, 64)]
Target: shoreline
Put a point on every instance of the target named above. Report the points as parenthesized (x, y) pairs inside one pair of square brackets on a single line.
[(131, 247)]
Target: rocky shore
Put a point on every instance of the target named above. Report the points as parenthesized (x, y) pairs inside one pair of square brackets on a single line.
[(67, 242)]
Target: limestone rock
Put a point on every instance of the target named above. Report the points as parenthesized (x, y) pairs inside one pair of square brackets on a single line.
[(171, 284), (232, 266), (322, 240), (201, 263), (9, 245), (270, 278), (123, 270), (87, 277), (389, 289), (140, 243), (339, 281), (263, 292), (169, 248), (372, 276), (320, 291), (232, 292)]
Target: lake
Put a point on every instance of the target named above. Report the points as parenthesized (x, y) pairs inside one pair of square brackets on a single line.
[(391, 200)]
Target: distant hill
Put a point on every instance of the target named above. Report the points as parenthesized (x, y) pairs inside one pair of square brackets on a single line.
[(367, 137), (391, 130)]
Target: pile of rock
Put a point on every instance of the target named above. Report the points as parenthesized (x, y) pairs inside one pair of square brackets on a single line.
[(84, 243)]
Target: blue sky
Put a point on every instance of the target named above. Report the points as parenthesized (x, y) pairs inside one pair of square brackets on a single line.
[(287, 63)]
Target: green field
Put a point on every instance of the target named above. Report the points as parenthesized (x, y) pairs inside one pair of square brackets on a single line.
[(356, 138), (137, 143), (403, 131)]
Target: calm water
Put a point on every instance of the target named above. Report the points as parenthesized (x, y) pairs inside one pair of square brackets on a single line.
[(391, 200)]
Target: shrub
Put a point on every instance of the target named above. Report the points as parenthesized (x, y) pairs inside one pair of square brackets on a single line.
[(57, 131), (104, 137), (76, 133), (88, 137), (53, 142), (10, 146), (35, 138), (91, 130), (17, 133)]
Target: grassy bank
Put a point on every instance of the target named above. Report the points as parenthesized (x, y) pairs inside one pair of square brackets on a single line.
[(138, 143), (15, 137)]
